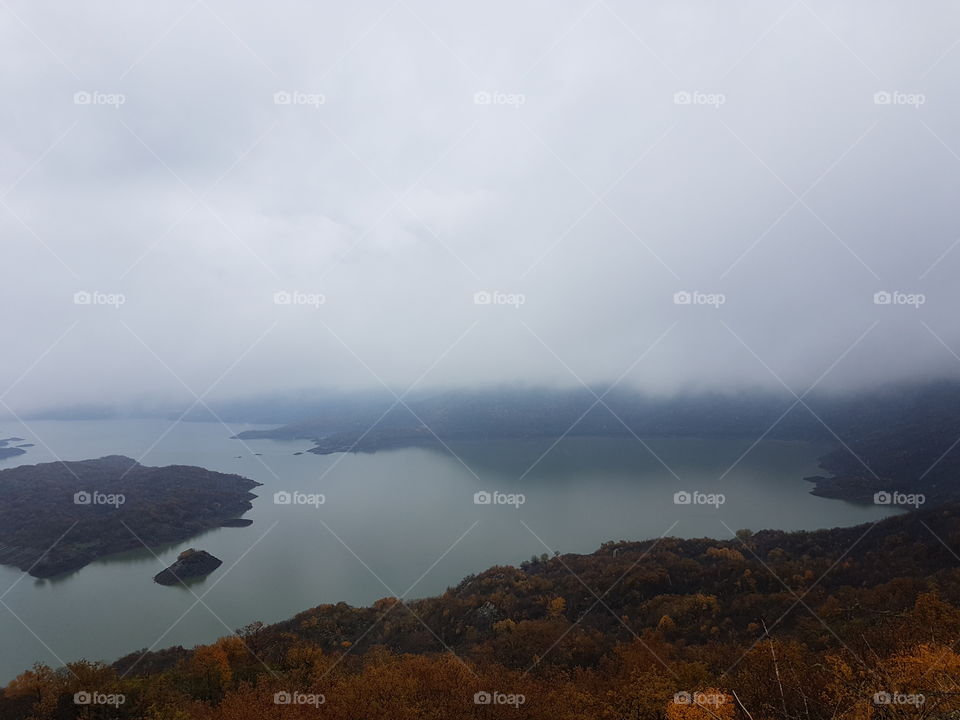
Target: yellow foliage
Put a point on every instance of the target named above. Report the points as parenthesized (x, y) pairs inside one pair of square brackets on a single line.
[(556, 607), (666, 624), (725, 554)]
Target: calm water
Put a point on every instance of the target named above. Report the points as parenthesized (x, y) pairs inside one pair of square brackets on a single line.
[(390, 525)]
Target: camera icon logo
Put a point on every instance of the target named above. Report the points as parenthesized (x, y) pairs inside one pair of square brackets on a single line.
[(683, 698), (482, 698), (482, 498), (282, 297), (82, 498), (682, 98), (682, 298), (882, 298), (282, 698), (882, 498), (282, 97), (82, 97), (682, 498), (882, 98), (82, 297), (882, 698), (82, 698), (482, 298), (482, 97), (282, 498)]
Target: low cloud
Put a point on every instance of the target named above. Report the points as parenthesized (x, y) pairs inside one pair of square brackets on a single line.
[(397, 159)]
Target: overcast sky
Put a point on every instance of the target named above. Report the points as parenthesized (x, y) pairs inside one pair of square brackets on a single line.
[(181, 165)]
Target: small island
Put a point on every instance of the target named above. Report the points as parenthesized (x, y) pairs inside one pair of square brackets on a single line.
[(57, 517), (236, 522), (190, 564), (8, 449)]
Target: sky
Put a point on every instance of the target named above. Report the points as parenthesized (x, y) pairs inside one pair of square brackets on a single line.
[(221, 199)]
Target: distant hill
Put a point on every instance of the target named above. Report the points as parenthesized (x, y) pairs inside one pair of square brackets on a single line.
[(901, 438), (369, 422)]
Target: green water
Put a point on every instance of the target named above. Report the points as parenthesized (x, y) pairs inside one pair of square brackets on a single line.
[(390, 525)]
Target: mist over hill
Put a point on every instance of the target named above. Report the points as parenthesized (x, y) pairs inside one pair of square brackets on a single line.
[(898, 438)]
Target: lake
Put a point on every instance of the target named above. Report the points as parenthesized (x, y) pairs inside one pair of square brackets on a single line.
[(399, 522)]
